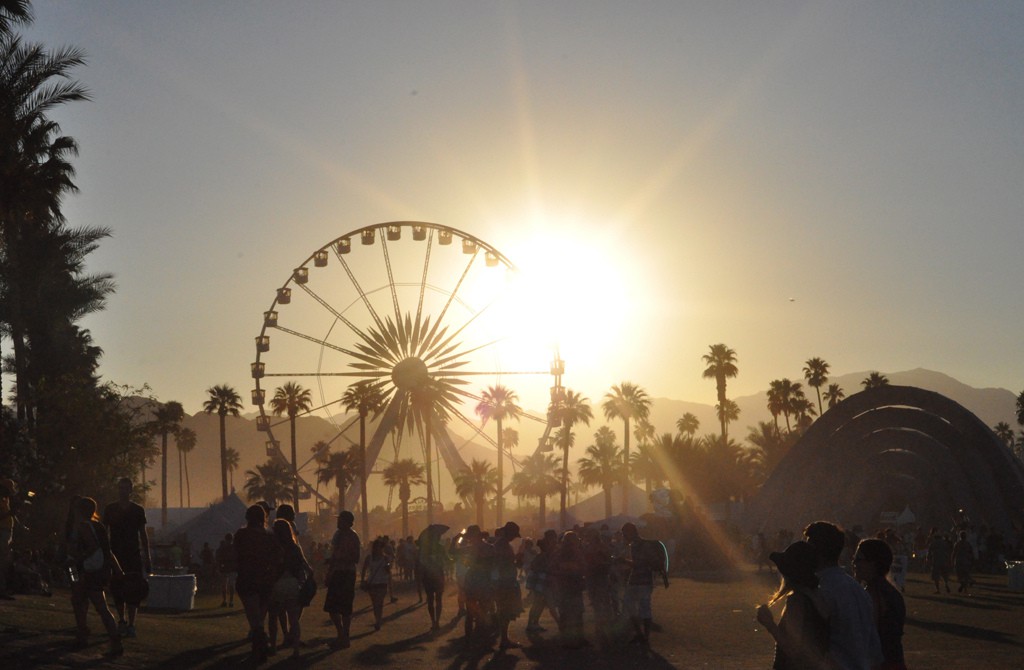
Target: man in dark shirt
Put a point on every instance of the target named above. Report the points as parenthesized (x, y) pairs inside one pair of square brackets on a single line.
[(646, 557), (341, 578), (126, 523)]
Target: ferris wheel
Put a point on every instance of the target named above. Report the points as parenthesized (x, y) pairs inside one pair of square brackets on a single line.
[(417, 312)]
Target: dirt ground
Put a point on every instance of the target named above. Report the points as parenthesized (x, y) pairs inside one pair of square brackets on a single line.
[(702, 621)]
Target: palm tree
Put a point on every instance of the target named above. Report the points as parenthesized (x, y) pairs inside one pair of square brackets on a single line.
[(291, 399), (816, 374), (536, 479), (776, 402), (270, 481), (688, 424), (1005, 433), (786, 396), (571, 408), (874, 380), (769, 446), (499, 403), (721, 365), (644, 464), (321, 452), (404, 474), (603, 465), (223, 400), (474, 484), (166, 420), (342, 468), (626, 401), (231, 459), (834, 394), (727, 412), (1020, 409), (366, 398), (34, 162), (186, 441)]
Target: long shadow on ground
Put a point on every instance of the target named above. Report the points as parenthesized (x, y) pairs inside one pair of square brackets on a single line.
[(961, 630)]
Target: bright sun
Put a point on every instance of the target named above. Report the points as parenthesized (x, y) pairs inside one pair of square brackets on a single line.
[(572, 292)]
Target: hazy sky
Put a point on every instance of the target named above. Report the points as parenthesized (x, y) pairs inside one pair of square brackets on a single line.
[(697, 165)]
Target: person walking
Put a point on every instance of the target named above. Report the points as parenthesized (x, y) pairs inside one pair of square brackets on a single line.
[(508, 599), (853, 637), (963, 562), (91, 565), (872, 563), (341, 578), (285, 594), (375, 578), (8, 489), (431, 566), (939, 556), (126, 523), (227, 569), (801, 635), (259, 565), (646, 557)]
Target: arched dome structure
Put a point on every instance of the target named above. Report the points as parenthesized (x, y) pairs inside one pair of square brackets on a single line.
[(885, 448)]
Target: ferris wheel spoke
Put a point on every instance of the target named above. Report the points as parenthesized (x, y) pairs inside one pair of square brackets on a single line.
[(359, 290), (423, 284), (442, 362), (391, 277), (494, 373), (369, 374), (330, 308), (451, 298)]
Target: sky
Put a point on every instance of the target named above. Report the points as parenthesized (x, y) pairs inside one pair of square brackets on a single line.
[(831, 179)]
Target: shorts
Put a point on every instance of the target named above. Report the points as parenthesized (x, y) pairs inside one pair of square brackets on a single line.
[(341, 591), (285, 592), (247, 588), (229, 579), (637, 601)]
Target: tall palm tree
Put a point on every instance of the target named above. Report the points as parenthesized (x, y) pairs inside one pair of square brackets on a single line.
[(321, 452), (342, 468), (721, 365), (603, 465), (231, 460), (688, 424), (834, 394), (404, 474), (874, 380), (223, 400), (475, 484), (166, 421), (776, 401), (37, 173), (291, 399), (430, 403), (365, 398), (626, 401), (816, 374), (571, 408), (270, 481), (499, 403), (1020, 409), (536, 479), (186, 442)]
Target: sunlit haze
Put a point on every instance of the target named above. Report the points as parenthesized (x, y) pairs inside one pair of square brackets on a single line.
[(794, 179)]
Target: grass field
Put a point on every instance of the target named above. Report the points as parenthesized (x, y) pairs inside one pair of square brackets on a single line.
[(702, 621)]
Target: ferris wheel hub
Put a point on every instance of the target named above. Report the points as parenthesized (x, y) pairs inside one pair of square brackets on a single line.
[(410, 373)]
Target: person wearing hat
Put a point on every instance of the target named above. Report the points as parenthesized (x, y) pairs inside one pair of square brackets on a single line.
[(801, 634), (508, 599), (341, 577)]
